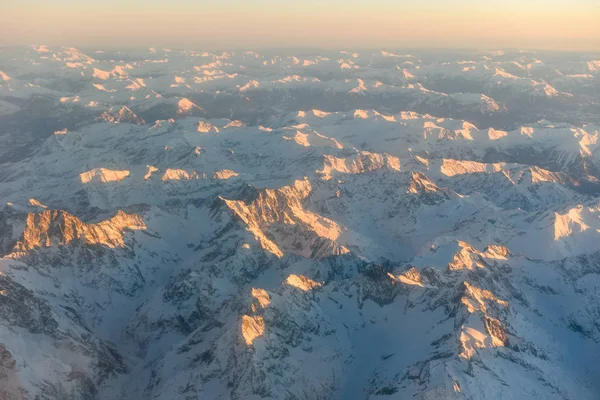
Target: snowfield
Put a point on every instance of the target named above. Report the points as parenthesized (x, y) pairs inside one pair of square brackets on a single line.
[(310, 225)]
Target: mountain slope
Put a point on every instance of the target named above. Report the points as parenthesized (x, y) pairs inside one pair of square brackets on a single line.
[(184, 225)]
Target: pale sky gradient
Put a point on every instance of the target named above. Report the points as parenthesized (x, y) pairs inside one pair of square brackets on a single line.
[(543, 24)]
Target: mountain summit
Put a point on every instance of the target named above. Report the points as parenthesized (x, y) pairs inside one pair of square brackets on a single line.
[(300, 225)]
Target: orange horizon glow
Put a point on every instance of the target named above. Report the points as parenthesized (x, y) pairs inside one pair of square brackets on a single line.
[(555, 25)]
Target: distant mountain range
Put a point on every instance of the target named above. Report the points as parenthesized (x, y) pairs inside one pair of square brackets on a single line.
[(371, 225)]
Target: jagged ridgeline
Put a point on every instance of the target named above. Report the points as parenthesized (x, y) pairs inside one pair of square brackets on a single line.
[(187, 225)]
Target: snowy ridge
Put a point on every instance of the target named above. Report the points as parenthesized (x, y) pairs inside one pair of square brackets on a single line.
[(319, 226)]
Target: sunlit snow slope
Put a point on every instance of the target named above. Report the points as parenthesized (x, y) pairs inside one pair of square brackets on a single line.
[(309, 225)]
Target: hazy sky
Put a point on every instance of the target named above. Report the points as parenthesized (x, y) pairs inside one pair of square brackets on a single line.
[(548, 24)]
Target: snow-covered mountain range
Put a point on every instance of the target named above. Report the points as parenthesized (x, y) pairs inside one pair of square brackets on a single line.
[(311, 225)]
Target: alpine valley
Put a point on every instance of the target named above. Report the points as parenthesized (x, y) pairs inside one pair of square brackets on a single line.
[(301, 225)]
